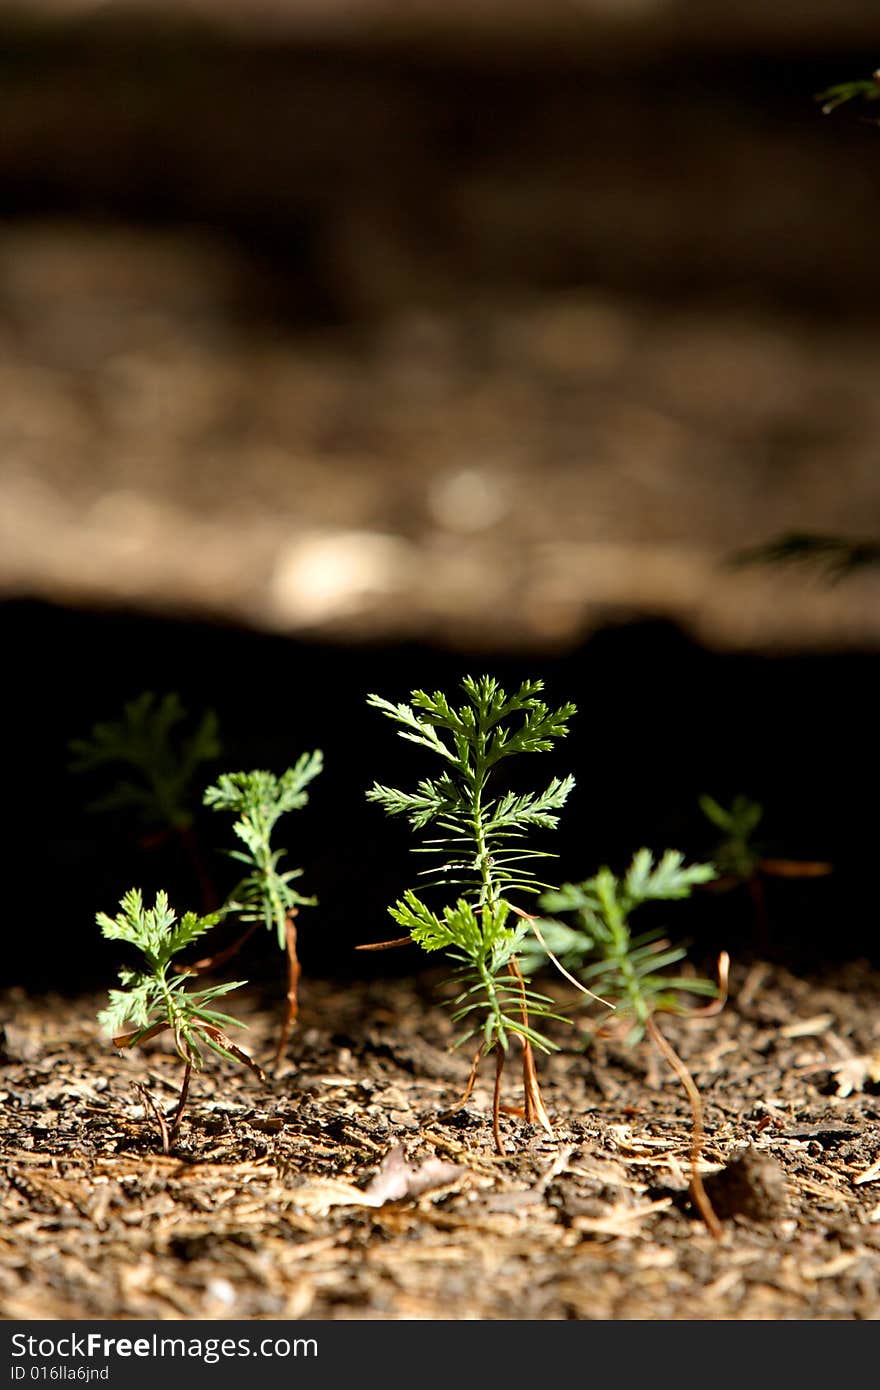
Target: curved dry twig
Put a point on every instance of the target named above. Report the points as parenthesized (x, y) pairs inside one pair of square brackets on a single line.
[(698, 1191), (386, 945), (716, 1005), (559, 966)]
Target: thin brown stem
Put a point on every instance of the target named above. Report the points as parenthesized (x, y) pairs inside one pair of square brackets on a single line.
[(226, 1043), (716, 1005), (698, 1191), (161, 1123), (496, 1099), (386, 945), (137, 1036), (530, 917), (472, 1078), (184, 1092), (471, 1082), (293, 974), (795, 868), (534, 1109), (200, 967)]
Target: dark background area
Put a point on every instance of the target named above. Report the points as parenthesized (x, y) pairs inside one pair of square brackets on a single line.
[(350, 181), (660, 721)]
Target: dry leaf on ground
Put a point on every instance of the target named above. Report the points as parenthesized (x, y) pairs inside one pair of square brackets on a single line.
[(395, 1181)]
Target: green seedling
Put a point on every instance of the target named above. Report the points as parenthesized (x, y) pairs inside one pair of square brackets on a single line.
[(158, 760), (154, 1000), (265, 895), (480, 855), (742, 861), (736, 855), (863, 90), (631, 971)]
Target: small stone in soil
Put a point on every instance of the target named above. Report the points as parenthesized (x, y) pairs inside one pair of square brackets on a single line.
[(752, 1185)]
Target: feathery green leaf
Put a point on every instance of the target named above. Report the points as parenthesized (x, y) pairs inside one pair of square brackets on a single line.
[(480, 846), (258, 799), (602, 949), (152, 996), (150, 739)]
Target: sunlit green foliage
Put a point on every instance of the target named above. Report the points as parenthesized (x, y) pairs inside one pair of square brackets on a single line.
[(630, 971), (154, 997), (481, 848), (258, 799)]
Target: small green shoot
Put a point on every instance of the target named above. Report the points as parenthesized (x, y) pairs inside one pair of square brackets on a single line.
[(742, 861), (867, 90), (149, 741), (153, 1000), (633, 971), (158, 759), (265, 895), (480, 852), (736, 855)]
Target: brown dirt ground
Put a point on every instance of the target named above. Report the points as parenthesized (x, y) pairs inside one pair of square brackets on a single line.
[(262, 1211)]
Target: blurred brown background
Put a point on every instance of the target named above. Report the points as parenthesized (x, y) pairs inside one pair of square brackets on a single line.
[(473, 322)]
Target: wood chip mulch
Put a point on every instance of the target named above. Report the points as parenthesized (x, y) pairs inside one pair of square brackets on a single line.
[(350, 1188)]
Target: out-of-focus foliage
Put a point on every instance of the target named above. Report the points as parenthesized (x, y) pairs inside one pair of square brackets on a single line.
[(151, 741), (842, 92)]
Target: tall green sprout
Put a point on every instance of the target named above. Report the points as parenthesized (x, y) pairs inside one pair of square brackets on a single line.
[(265, 895), (480, 855)]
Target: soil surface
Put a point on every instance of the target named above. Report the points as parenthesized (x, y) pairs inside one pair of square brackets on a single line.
[(349, 1188)]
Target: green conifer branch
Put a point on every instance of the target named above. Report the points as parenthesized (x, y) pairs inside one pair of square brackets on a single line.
[(481, 847), (150, 740), (602, 949), (258, 799)]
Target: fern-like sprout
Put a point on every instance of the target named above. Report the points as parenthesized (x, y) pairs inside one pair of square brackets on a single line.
[(863, 89), (157, 752), (149, 741), (634, 970), (741, 860), (480, 853), (265, 894), (736, 854), (154, 999)]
